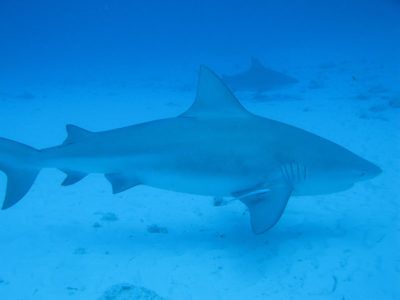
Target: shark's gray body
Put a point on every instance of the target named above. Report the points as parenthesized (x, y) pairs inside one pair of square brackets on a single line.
[(258, 79), (215, 148)]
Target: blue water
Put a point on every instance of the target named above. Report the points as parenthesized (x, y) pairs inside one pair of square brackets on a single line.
[(107, 64)]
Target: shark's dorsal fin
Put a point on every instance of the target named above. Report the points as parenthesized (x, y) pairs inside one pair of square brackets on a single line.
[(256, 63), (214, 98), (75, 134)]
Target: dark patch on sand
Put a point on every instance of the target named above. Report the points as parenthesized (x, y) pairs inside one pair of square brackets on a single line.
[(129, 292)]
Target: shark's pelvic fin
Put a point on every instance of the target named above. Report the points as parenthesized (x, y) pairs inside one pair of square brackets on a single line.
[(214, 98), (266, 207), (121, 182), (72, 177), (75, 134)]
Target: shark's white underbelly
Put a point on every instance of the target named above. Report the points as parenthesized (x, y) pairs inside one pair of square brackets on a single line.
[(193, 183)]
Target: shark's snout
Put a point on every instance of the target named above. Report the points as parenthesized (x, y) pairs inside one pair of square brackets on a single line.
[(370, 171)]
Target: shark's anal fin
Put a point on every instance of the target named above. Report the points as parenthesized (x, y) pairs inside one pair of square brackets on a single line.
[(266, 207), (72, 177), (121, 182), (214, 98), (75, 134)]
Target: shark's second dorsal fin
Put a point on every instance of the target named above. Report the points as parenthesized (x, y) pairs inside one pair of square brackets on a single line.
[(75, 134), (214, 98)]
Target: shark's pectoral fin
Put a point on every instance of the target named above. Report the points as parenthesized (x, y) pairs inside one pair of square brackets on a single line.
[(72, 177), (121, 182), (266, 207)]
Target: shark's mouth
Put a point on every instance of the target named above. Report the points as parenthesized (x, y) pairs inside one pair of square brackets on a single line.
[(315, 189)]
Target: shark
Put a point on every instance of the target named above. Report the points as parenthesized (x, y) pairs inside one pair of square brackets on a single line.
[(258, 78), (216, 148)]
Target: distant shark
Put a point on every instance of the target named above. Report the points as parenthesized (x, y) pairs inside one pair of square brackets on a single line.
[(258, 78), (215, 148)]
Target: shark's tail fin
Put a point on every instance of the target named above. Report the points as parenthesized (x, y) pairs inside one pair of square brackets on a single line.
[(18, 162)]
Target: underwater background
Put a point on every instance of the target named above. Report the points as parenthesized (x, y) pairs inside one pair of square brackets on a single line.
[(107, 64)]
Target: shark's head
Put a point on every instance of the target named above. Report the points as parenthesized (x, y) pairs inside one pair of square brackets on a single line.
[(337, 169), (352, 169)]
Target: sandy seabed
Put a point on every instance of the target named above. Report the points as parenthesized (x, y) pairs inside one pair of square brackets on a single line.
[(82, 242)]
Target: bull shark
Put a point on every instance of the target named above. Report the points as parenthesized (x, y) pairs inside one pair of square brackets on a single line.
[(258, 78), (215, 148)]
